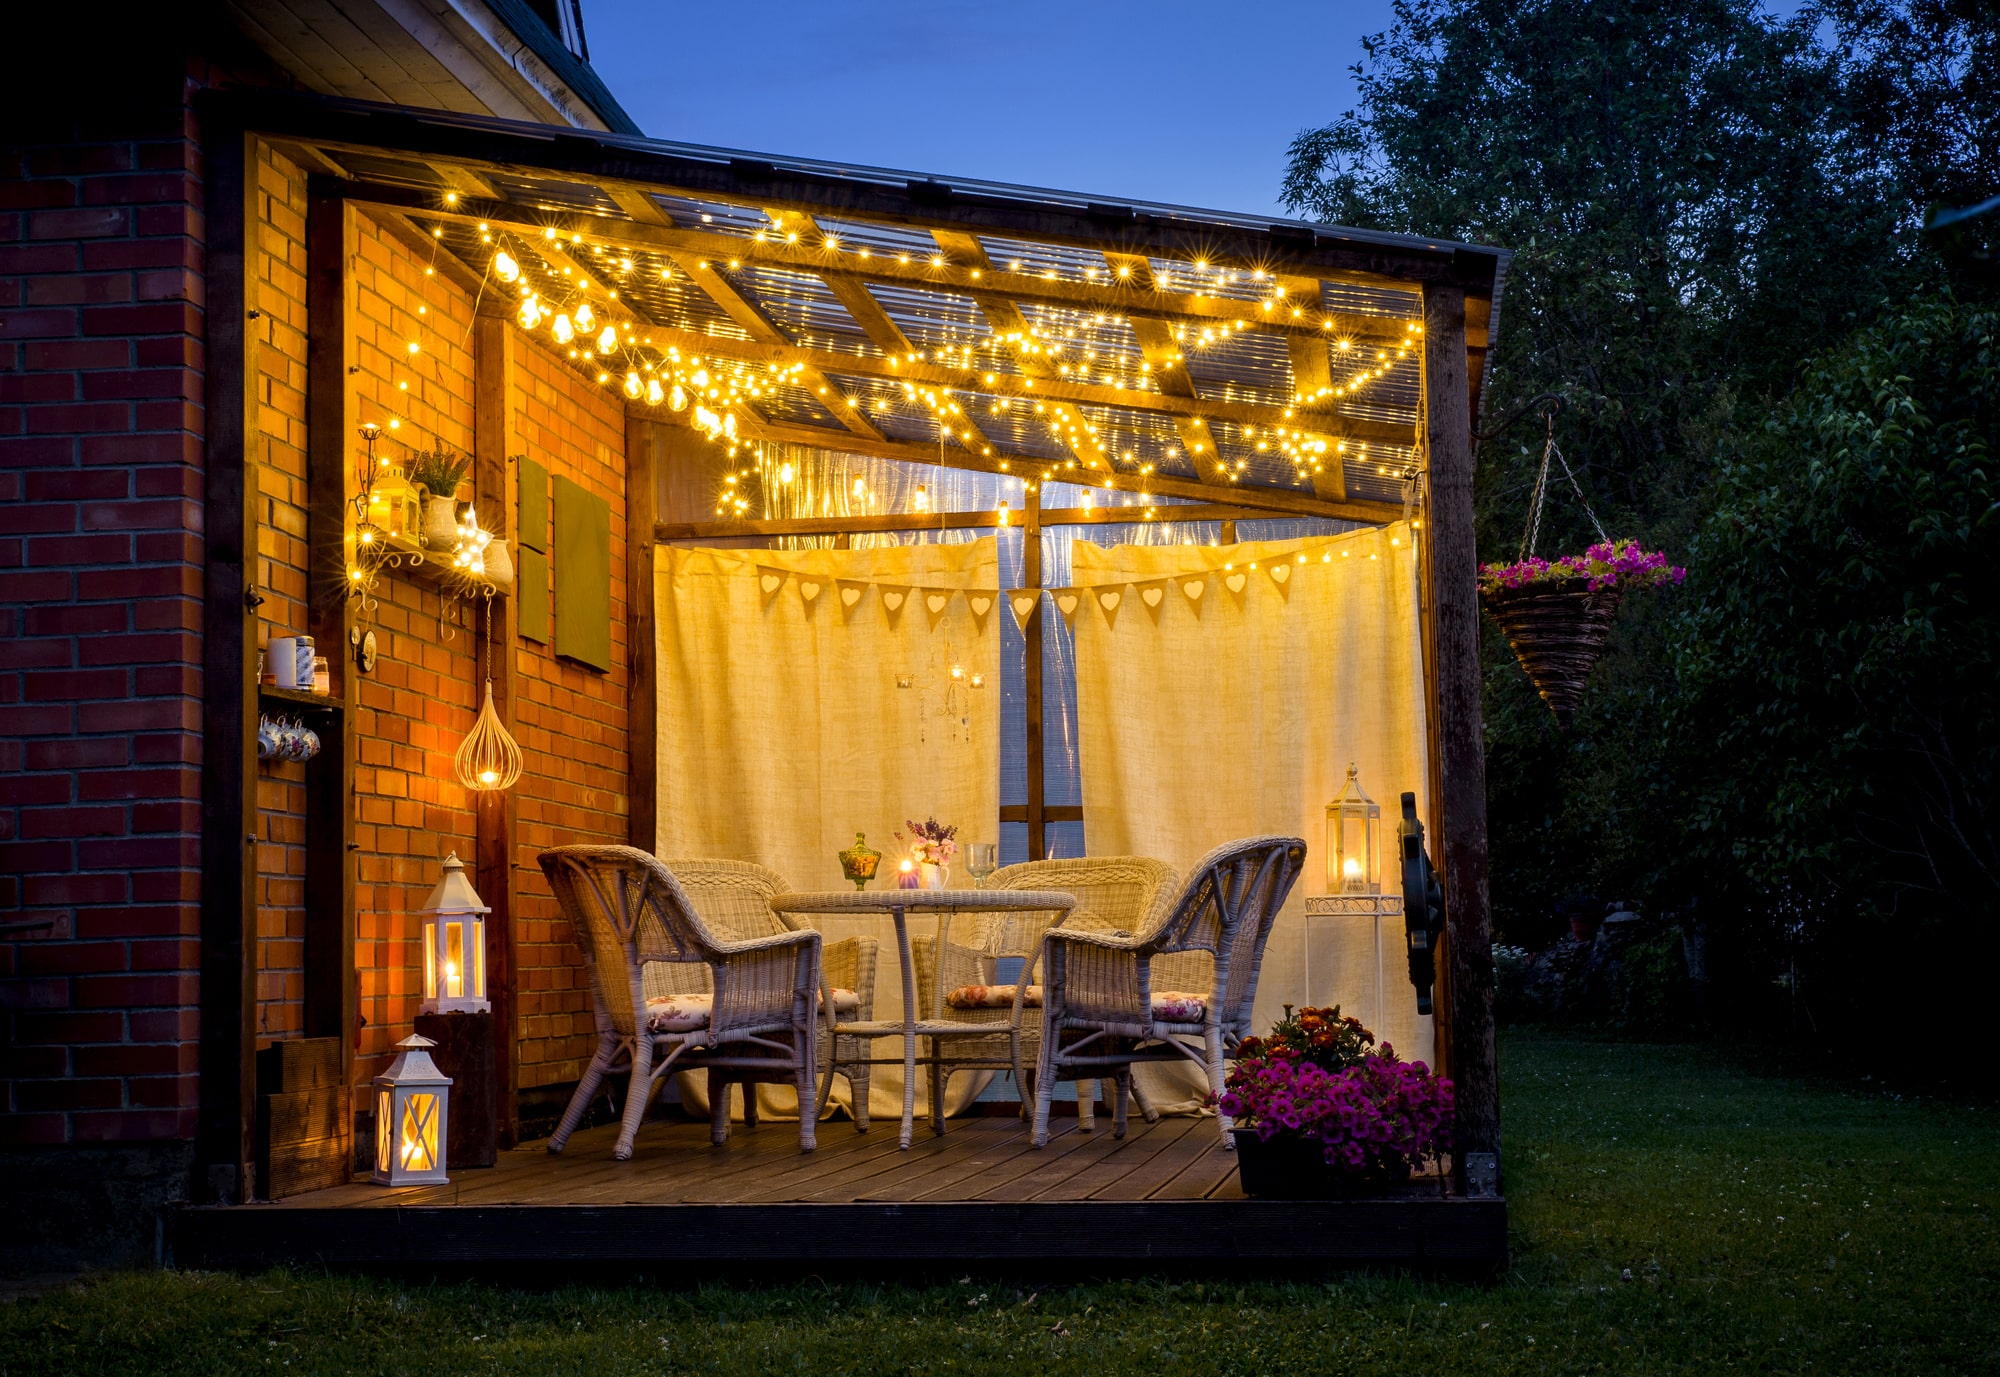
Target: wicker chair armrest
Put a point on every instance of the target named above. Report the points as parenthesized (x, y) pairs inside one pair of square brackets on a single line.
[(803, 937), (850, 965), (1086, 937)]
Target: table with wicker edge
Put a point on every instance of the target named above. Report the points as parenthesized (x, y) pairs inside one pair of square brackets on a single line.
[(897, 904)]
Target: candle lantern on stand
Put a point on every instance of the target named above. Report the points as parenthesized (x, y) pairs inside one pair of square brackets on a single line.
[(457, 1016), (1353, 841), (412, 1099)]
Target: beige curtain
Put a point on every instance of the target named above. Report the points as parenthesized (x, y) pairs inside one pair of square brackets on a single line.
[(785, 726), (1238, 713)]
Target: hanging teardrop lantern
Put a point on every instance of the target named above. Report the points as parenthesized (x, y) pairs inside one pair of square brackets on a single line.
[(489, 760)]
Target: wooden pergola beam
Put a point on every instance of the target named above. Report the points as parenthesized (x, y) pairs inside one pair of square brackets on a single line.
[(724, 529), (1009, 387), (1034, 471), (963, 276)]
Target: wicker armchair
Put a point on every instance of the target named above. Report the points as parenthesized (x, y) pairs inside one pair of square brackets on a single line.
[(1114, 894), (756, 1022), (1104, 1006), (734, 899)]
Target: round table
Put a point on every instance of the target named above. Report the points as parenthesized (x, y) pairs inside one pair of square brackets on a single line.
[(898, 904)]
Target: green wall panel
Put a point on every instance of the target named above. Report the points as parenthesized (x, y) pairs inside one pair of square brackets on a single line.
[(532, 580), (583, 575), (534, 525)]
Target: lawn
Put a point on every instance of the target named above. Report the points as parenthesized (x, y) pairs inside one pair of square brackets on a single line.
[(1672, 1211)]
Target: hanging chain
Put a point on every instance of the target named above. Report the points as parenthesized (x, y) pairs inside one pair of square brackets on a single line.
[(1551, 450)]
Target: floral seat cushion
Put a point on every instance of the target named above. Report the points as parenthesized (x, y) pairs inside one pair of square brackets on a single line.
[(991, 997), (1175, 1006), (688, 1013)]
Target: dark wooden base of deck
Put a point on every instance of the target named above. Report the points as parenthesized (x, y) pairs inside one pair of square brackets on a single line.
[(1166, 1193)]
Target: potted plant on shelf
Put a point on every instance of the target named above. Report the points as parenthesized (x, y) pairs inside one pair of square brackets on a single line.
[(438, 473), (1321, 1111), (1558, 613)]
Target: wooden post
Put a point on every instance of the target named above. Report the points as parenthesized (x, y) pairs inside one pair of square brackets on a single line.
[(1454, 566), (1031, 634), (331, 999), (226, 1118), (495, 482), (642, 635)]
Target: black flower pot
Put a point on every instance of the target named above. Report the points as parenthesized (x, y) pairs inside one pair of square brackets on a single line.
[(1289, 1168)]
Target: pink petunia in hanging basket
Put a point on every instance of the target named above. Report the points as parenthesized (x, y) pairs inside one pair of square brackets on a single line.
[(1557, 614)]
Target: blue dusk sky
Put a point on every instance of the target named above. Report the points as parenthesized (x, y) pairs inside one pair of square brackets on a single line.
[(1191, 104)]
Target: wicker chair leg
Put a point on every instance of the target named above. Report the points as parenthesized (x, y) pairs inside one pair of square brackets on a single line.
[(1086, 1106), (749, 1105), (938, 1079), (718, 1106), (1215, 1087), (1124, 1092), (1145, 1103), (1045, 1087), (586, 1091), (808, 1110), (858, 1080), (637, 1096)]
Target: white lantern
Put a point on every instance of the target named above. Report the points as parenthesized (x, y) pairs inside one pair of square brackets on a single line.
[(1353, 841), (454, 945), (412, 1099)]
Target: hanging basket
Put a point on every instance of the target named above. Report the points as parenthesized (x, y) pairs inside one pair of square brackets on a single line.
[(1558, 630)]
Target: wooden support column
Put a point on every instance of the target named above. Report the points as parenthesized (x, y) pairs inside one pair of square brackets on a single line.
[(1031, 634), (330, 995), (1454, 566), (642, 439), (495, 483), (225, 1132)]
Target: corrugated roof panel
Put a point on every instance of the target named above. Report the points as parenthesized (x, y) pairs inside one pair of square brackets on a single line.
[(552, 193)]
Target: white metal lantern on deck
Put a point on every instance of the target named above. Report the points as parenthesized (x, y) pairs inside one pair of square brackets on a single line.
[(411, 1102), (1353, 841), (454, 945)]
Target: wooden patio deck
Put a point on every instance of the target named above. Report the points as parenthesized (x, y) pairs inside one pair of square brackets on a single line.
[(1167, 1192)]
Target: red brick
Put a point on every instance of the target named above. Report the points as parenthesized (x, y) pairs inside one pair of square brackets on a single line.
[(78, 548), (20, 1063), (166, 886), (148, 649), (142, 853), (33, 721), (167, 416), (78, 418), (161, 319), (73, 822), (131, 515), (21, 653), (166, 1025), (36, 587), (38, 387), (27, 791), (99, 786), (38, 258), (136, 383), (101, 191), (79, 353), (79, 289), (42, 324), (49, 890), (33, 1130), (22, 857), (128, 1126), (111, 254), (69, 1028), (141, 449), (172, 284), (72, 958), (170, 816), (166, 681), (157, 920), (48, 686), (34, 994), (167, 482), (162, 1092), (72, 620), (79, 159), (169, 220), (168, 351), (128, 1059), (93, 585), (166, 748), (176, 955), (39, 452), (36, 518), (35, 193), (132, 991), (100, 223), (78, 752), (75, 485)]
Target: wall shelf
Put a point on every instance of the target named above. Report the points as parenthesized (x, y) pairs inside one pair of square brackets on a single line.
[(271, 696)]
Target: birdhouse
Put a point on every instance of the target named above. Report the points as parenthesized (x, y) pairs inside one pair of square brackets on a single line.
[(411, 1102), (1353, 841), (454, 945)]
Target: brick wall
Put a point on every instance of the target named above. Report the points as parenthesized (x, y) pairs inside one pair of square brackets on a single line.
[(101, 327), (278, 294), (418, 704), (570, 721)]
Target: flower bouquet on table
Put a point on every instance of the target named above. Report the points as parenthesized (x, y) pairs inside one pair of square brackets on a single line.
[(1558, 613), (932, 845), (1320, 1110)]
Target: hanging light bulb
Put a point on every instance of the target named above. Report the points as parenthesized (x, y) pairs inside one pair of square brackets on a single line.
[(505, 266), (633, 387), (584, 319), (489, 760), (531, 313), (677, 399), (607, 341), (564, 332), (653, 392)]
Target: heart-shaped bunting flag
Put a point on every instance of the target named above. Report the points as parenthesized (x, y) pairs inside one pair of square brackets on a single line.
[(1067, 601), (769, 582), (1234, 582), (1281, 573), (809, 588), (1023, 601), (850, 594), (1152, 594), (936, 602)]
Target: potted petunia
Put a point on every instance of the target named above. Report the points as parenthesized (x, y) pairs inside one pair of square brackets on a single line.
[(1320, 1111), (1558, 613)]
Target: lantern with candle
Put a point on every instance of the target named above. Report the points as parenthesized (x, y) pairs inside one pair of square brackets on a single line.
[(1353, 828), (454, 944), (411, 1101)]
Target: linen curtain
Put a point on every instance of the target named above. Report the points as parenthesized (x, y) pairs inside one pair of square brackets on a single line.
[(1237, 713), (806, 695)]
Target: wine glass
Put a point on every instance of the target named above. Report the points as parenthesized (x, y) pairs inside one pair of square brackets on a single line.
[(981, 860)]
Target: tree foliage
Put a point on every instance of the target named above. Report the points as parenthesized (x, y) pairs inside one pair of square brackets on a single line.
[(1719, 265)]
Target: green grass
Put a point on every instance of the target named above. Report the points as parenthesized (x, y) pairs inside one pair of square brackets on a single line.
[(1672, 1211)]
